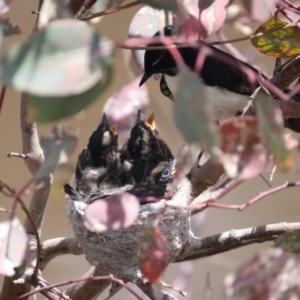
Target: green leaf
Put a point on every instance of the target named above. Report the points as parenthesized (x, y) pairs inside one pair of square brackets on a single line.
[(48, 109), (193, 112), (172, 5), (65, 58), (58, 146), (289, 242), (279, 39), (271, 129)]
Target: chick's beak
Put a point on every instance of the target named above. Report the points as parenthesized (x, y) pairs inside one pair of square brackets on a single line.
[(114, 130), (151, 123), (145, 77), (173, 171)]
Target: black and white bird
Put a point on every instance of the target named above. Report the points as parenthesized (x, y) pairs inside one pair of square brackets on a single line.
[(228, 88), (99, 165)]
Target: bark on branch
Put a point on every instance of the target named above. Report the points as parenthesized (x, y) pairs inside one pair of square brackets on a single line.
[(58, 246), (235, 238)]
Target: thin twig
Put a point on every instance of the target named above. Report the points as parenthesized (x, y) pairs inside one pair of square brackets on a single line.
[(211, 202), (174, 288), (51, 294), (111, 10), (2, 95), (5, 210), (269, 192), (108, 277), (88, 289), (15, 154), (265, 180), (86, 6)]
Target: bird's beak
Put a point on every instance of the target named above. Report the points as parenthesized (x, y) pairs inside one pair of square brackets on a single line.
[(114, 130), (174, 167), (173, 171), (150, 122), (145, 77)]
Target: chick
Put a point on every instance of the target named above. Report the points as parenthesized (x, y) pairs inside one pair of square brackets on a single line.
[(156, 182), (143, 148), (99, 166)]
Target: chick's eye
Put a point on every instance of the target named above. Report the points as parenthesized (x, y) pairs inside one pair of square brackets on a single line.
[(165, 173)]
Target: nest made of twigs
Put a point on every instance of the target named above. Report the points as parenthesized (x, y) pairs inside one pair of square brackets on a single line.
[(115, 251)]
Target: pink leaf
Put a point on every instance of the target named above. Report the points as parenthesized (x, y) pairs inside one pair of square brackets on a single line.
[(153, 254), (13, 246), (115, 212), (243, 153), (272, 274), (213, 15), (4, 6), (290, 141), (145, 23), (259, 10), (122, 107)]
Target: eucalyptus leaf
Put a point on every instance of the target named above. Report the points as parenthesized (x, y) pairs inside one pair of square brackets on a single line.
[(279, 39), (65, 58), (271, 129), (48, 109), (193, 112)]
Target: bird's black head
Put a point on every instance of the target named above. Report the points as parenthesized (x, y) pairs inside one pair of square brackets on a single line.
[(139, 142), (103, 138), (162, 173), (159, 61)]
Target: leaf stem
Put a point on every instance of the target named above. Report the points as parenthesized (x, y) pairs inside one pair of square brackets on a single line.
[(110, 10)]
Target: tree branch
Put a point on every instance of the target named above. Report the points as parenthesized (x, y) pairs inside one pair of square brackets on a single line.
[(202, 177), (58, 246), (35, 158), (87, 289), (95, 278), (229, 240), (287, 75)]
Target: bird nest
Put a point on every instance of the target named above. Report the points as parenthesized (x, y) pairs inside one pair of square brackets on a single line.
[(115, 251)]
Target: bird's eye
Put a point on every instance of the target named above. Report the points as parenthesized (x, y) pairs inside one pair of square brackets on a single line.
[(165, 176), (165, 173)]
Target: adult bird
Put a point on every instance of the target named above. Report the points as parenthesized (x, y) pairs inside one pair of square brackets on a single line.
[(99, 165), (227, 87)]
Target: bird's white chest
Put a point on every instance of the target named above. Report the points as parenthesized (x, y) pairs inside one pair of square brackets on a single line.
[(225, 104)]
